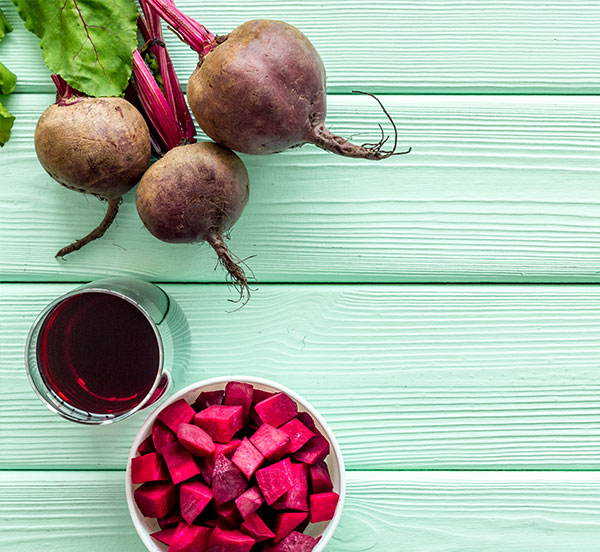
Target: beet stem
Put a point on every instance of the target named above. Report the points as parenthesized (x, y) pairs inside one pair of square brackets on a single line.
[(111, 212), (235, 271)]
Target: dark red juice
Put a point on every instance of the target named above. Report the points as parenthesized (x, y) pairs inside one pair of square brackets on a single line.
[(98, 352)]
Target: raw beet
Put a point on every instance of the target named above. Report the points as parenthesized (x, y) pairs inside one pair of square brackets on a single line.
[(250, 501), (180, 462), (275, 480), (247, 458), (276, 410), (208, 398), (322, 506), (161, 436), (146, 446), (167, 199), (307, 420), (207, 465), (256, 528), (238, 393), (271, 442), (196, 440), (220, 422), (165, 535), (98, 146), (297, 497), (170, 520), (294, 542), (228, 482), (299, 434), (320, 479), (229, 541), (286, 522), (190, 538), (177, 413), (229, 514), (155, 499), (314, 451), (194, 496), (149, 467)]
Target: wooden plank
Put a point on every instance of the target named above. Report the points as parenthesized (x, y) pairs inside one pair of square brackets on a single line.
[(423, 512), (496, 189), (410, 377), (402, 46)]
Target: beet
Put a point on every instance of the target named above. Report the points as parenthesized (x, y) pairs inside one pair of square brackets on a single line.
[(322, 506), (320, 479), (170, 520), (194, 496), (286, 522), (196, 193), (146, 446), (207, 465), (161, 436), (256, 528), (98, 146), (314, 451), (276, 410), (294, 542), (177, 413), (299, 434), (228, 482), (238, 393), (297, 497), (229, 514), (275, 480), (155, 499), (220, 422), (190, 538), (180, 462), (208, 398), (271, 442), (149, 467), (229, 541), (250, 501), (247, 458), (165, 535), (196, 440)]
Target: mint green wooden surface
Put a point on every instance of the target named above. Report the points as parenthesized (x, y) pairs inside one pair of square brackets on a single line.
[(468, 413)]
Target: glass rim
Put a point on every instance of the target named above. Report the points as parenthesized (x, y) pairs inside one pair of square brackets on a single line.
[(40, 320)]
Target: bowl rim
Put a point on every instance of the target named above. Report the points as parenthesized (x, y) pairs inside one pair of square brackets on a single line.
[(141, 435)]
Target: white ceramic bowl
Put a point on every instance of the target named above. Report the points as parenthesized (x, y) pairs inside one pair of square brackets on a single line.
[(144, 526)]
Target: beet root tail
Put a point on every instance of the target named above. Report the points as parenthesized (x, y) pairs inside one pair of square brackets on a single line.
[(236, 272), (111, 212)]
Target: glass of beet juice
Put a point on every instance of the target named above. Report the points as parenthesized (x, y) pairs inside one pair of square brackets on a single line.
[(107, 349)]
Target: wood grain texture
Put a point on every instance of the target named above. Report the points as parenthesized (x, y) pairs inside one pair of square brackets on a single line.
[(450, 512), (409, 377), (402, 46), (496, 189)]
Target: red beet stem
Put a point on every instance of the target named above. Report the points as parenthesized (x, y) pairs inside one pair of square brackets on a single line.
[(191, 32), (64, 90)]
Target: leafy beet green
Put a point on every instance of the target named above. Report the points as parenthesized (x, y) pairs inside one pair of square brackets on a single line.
[(8, 81)]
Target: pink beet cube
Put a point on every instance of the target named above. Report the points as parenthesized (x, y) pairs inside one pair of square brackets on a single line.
[(194, 496), (314, 451), (307, 420), (177, 413), (322, 506), (272, 443), (229, 541), (220, 422), (146, 446), (247, 458), (180, 462), (320, 479), (297, 497), (294, 542), (229, 514), (190, 538), (172, 519), (228, 482), (238, 393), (208, 398), (276, 410), (275, 480), (256, 528), (298, 433), (196, 440), (286, 522), (165, 536), (161, 436), (155, 500), (250, 501), (207, 465), (259, 395), (149, 467)]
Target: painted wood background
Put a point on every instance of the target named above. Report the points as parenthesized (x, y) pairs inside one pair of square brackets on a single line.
[(440, 308)]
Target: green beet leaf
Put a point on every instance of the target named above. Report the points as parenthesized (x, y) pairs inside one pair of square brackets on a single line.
[(7, 85), (89, 43), (6, 123), (4, 26), (8, 80)]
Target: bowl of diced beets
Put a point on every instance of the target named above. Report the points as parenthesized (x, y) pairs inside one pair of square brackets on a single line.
[(235, 464)]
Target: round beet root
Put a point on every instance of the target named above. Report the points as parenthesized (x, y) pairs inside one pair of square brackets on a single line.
[(262, 90), (98, 146), (196, 193)]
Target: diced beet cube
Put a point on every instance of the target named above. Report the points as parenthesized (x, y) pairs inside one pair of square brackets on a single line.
[(177, 413), (165, 536), (271, 442), (286, 522), (250, 501), (190, 538), (320, 479), (307, 420), (155, 500), (229, 541), (146, 446), (240, 394), (207, 465), (170, 520), (161, 436), (180, 462), (220, 422), (194, 496), (220, 523), (208, 398), (314, 451), (228, 482), (298, 433), (276, 410), (196, 440), (247, 458), (294, 542), (259, 395), (322, 506), (149, 467), (297, 497), (256, 528), (275, 480), (229, 514)]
